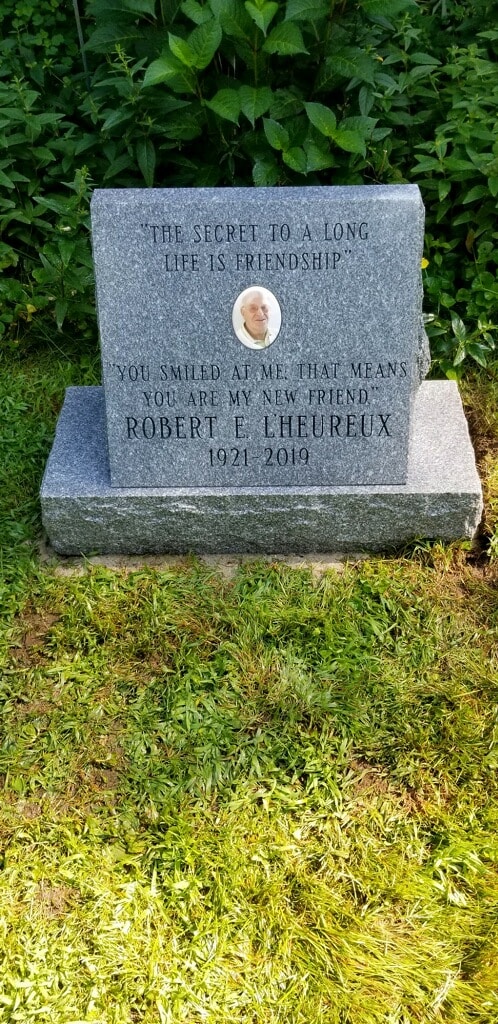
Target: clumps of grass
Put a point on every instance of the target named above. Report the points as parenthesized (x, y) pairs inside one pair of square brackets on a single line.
[(481, 409), (31, 394), (264, 801)]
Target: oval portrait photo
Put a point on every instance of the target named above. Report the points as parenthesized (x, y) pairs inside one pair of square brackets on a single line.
[(256, 317)]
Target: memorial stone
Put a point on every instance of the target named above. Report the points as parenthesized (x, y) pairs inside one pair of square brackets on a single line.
[(323, 397), (263, 361)]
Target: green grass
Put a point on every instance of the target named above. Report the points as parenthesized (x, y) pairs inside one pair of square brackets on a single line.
[(266, 800)]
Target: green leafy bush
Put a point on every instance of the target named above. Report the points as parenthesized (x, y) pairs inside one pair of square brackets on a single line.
[(261, 92), (44, 240), (458, 172)]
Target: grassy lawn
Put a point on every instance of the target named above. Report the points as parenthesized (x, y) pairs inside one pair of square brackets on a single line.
[(263, 800)]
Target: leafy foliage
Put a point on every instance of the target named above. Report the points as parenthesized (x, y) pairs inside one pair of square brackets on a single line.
[(44, 248), (258, 92), (458, 173)]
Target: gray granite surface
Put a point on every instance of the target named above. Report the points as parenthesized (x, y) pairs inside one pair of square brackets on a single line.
[(82, 512), (191, 402)]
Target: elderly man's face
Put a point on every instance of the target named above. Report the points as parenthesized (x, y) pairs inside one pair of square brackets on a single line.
[(255, 312)]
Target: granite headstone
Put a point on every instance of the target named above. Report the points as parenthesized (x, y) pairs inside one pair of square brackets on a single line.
[(259, 337), (263, 361)]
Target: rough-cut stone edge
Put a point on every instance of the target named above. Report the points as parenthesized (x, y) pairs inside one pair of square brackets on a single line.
[(82, 513)]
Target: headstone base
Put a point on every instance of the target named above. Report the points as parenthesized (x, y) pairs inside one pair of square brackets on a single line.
[(83, 514)]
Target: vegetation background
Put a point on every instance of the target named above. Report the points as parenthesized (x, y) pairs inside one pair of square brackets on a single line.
[(156, 92), (268, 798)]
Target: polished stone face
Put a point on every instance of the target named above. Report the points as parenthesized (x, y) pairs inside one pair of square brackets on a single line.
[(308, 382)]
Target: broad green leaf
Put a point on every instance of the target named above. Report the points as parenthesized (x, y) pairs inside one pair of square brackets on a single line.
[(285, 39), (195, 11), (424, 58), (365, 100), (387, 81), (458, 327), (181, 49), (5, 181), (351, 62), (400, 118), (421, 71), (478, 352), (322, 118), (121, 163), (493, 184), (105, 39), (359, 124), (380, 133), (84, 142), (295, 158), (263, 15), (61, 307), (488, 280), (477, 192), (317, 159), (11, 114), (146, 159), (226, 103), (16, 176), (427, 163), (276, 134), (47, 272), (478, 132), (65, 251), (460, 355), (327, 78), (306, 10), (450, 373), (29, 97), (265, 173), (254, 102), (204, 42), (170, 70), (40, 119), (182, 127), (56, 205), (233, 18), (453, 163), (8, 257), (461, 218), (116, 117), (349, 140)]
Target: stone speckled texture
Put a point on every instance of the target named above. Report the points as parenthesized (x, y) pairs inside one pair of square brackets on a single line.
[(83, 513), (186, 400)]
